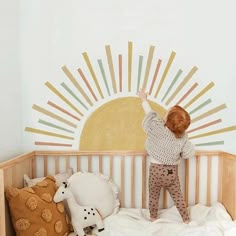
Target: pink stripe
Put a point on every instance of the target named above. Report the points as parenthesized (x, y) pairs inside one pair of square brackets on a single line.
[(155, 76), (204, 126), (186, 94)]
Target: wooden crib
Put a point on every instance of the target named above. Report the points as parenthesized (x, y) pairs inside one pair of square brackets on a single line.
[(208, 178)]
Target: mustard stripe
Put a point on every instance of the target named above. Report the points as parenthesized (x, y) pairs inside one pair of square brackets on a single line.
[(53, 89), (76, 84), (186, 79), (148, 66), (52, 144), (171, 58), (56, 117), (39, 131), (130, 51), (227, 129), (111, 67), (86, 58), (214, 110), (208, 87)]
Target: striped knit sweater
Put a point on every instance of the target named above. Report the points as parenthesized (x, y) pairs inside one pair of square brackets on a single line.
[(161, 144)]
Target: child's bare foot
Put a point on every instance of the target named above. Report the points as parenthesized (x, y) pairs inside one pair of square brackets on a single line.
[(153, 219)]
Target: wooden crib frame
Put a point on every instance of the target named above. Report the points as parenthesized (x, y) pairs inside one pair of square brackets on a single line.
[(12, 171)]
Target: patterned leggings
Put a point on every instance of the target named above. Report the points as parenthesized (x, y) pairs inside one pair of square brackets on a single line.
[(165, 176)]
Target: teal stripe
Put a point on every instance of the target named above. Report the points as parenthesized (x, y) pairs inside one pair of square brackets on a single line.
[(172, 84), (210, 143), (201, 106), (103, 75), (54, 126), (140, 64), (72, 94)]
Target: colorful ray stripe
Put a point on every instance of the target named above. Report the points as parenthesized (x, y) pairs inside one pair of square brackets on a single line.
[(76, 84), (63, 110), (87, 84), (210, 143), (148, 66), (200, 106), (227, 129), (155, 75), (201, 93), (205, 126), (140, 64), (170, 61), (39, 131), (120, 71), (73, 95), (187, 93), (130, 52), (208, 113), (111, 67), (54, 116), (63, 98), (103, 75), (89, 65), (55, 126), (172, 84), (52, 144), (182, 84)]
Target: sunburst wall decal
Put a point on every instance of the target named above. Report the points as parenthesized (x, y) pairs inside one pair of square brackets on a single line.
[(96, 107)]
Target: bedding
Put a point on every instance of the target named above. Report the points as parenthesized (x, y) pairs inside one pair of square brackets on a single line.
[(205, 221)]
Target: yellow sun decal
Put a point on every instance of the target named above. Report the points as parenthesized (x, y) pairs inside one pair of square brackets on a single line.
[(96, 106)]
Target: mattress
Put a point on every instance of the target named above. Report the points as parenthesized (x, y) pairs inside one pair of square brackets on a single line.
[(209, 221)]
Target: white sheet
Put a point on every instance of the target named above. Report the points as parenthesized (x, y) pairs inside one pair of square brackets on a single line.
[(205, 221)]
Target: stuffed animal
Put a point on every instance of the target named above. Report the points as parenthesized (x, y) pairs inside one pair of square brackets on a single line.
[(81, 216)]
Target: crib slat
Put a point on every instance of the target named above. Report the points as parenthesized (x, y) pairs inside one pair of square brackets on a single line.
[(144, 182), (132, 181), (197, 184), (45, 165), (122, 181), (56, 164), (220, 168), (209, 164), (89, 163), (186, 180), (111, 167), (78, 163), (34, 173), (100, 164), (67, 162)]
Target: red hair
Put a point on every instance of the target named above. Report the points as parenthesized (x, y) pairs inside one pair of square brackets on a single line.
[(178, 120)]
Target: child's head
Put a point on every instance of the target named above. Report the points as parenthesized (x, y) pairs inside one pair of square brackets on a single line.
[(177, 120)]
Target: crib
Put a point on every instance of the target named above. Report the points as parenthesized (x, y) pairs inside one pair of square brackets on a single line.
[(213, 171)]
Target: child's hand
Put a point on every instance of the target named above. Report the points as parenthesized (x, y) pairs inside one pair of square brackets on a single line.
[(142, 94)]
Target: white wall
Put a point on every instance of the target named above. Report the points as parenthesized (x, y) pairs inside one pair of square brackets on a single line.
[(56, 33), (10, 91)]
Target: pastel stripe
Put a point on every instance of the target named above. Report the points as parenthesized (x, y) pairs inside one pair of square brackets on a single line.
[(224, 130), (52, 144), (169, 63), (205, 126), (55, 126), (140, 64), (63, 110), (208, 113), (210, 143), (200, 106), (103, 75), (86, 58), (87, 84), (111, 67), (155, 75), (172, 84), (52, 115), (76, 84), (148, 66), (182, 84), (187, 93), (39, 131), (53, 89), (120, 71), (73, 95), (202, 92), (130, 51)]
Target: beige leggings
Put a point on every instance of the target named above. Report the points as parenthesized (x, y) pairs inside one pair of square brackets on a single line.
[(165, 176)]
